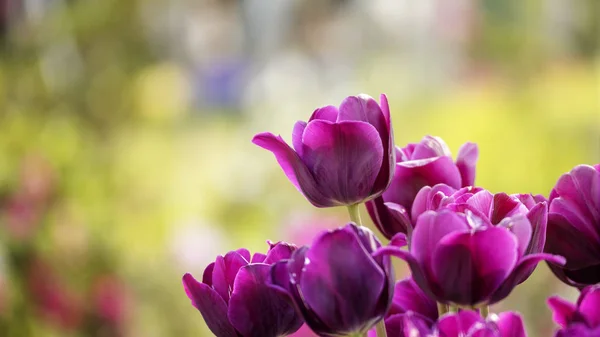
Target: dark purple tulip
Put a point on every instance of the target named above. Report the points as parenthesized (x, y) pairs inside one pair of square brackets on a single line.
[(461, 257), (424, 164), (574, 226), (235, 299), (342, 156), (337, 285), (582, 317), (471, 324)]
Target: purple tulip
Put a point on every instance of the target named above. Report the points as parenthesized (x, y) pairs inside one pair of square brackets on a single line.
[(574, 226), (337, 285), (424, 164), (581, 319), (472, 253), (342, 156), (235, 299)]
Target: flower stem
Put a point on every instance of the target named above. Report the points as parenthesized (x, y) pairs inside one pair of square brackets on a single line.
[(380, 328), (354, 214), (485, 311), (442, 308)]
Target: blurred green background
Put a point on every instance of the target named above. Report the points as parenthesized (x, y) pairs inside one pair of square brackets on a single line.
[(125, 128)]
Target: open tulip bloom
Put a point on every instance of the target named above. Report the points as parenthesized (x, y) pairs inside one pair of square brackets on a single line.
[(235, 299), (466, 248), (342, 156), (475, 250)]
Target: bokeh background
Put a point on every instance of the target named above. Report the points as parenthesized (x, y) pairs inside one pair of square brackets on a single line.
[(125, 128)]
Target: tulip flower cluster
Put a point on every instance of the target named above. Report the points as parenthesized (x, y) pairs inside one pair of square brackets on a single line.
[(467, 248)]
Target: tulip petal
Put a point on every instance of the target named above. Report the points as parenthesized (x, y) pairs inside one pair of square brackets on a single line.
[(210, 304), (589, 305), (400, 217), (207, 275), (327, 113), (258, 258), (511, 324), (506, 206), (457, 325), (538, 217), (431, 147), (331, 285), (364, 108), (431, 199), (471, 266), (399, 240), (383, 219), (466, 160), (431, 227), (563, 239), (520, 226), (409, 324), (255, 310), (582, 186), (293, 167), (562, 311), (584, 276), (344, 157), (482, 201), (297, 134), (409, 297), (279, 251), (290, 279)]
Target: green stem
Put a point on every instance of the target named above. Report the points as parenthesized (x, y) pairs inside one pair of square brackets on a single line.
[(485, 311), (453, 309), (380, 328), (354, 214), (442, 308)]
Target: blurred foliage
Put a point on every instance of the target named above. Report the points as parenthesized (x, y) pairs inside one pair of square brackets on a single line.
[(113, 180)]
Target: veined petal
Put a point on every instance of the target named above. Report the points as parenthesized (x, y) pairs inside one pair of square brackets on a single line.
[(293, 167), (431, 227), (212, 307), (327, 113), (297, 134), (471, 266), (520, 226), (345, 159), (538, 217)]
